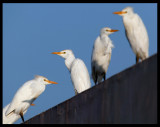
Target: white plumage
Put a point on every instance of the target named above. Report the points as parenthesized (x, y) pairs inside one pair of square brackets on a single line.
[(11, 118), (26, 94), (136, 33), (101, 54), (79, 73)]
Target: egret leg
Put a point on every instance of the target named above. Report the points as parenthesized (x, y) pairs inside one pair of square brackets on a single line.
[(75, 92), (21, 114), (96, 77), (104, 76), (137, 59)]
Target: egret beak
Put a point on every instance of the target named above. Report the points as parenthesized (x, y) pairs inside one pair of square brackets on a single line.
[(120, 12), (113, 30), (51, 82), (57, 53)]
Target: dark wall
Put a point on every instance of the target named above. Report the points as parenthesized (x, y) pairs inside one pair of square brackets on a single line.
[(127, 97)]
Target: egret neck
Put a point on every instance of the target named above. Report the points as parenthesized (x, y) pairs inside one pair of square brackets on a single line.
[(69, 60), (105, 39)]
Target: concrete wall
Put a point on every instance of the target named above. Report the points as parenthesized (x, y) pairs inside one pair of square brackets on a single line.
[(127, 97)]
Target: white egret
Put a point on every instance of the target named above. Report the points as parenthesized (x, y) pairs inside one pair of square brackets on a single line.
[(26, 94), (79, 73), (11, 118), (101, 54), (136, 33)]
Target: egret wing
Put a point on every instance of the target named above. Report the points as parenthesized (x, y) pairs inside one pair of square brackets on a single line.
[(137, 35), (24, 93), (12, 118), (80, 76)]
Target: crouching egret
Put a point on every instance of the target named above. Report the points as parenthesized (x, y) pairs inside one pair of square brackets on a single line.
[(136, 33), (26, 94), (101, 54), (12, 118), (79, 73)]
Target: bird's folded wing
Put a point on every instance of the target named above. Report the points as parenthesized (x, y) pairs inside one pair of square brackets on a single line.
[(24, 93), (80, 76)]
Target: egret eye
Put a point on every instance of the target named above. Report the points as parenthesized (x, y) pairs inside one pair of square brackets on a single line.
[(64, 52), (45, 80)]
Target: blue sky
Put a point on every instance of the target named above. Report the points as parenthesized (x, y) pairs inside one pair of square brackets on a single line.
[(32, 31)]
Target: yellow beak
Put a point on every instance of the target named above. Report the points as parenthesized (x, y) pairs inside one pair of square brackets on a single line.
[(120, 12), (57, 53), (113, 30), (51, 82)]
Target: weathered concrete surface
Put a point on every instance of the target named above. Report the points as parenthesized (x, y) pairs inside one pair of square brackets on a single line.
[(127, 97)]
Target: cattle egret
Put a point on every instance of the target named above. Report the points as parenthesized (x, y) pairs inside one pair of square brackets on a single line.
[(11, 118), (79, 73), (136, 33), (101, 54), (26, 94)]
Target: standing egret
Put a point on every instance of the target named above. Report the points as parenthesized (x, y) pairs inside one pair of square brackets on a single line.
[(11, 118), (26, 94), (101, 54), (136, 33), (79, 73)]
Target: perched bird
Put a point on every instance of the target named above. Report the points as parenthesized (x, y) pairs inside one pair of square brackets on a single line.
[(101, 54), (136, 33), (26, 94), (11, 118), (79, 73)]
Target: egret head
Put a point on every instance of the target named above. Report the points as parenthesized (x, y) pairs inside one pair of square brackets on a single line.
[(125, 11), (44, 80), (64, 53), (107, 31)]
